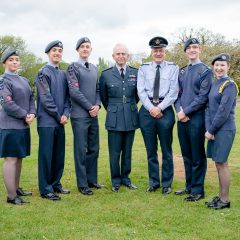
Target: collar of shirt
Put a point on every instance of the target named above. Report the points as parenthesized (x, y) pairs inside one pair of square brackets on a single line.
[(52, 64), (194, 62), (81, 61), (162, 64), (10, 73), (119, 69)]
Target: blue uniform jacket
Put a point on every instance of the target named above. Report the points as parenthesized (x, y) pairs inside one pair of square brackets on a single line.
[(221, 106), (119, 97), (194, 86), (52, 96)]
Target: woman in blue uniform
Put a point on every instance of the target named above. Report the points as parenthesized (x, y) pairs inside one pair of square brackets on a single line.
[(220, 126), (17, 111)]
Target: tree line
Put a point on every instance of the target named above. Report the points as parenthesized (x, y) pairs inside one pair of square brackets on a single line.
[(212, 44)]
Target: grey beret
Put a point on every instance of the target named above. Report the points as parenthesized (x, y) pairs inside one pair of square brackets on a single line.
[(221, 57), (8, 53), (158, 42), (81, 41), (189, 42), (52, 44)]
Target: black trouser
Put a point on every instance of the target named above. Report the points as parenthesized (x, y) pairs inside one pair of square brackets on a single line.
[(51, 154), (191, 138), (86, 149), (162, 128), (120, 145)]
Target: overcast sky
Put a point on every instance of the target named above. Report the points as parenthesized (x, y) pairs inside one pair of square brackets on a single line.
[(106, 23)]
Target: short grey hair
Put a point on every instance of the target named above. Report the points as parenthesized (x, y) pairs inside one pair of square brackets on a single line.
[(120, 45)]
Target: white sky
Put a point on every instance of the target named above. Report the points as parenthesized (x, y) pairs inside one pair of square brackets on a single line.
[(132, 22)]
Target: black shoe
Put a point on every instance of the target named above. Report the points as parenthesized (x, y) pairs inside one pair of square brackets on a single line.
[(152, 189), (182, 192), (96, 185), (85, 190), (62, 191), (166, 190), (21, 192), (116, 188), (51, 196), (194, 197), (213, 201), (17, 201), (219, 205), (131, 186)]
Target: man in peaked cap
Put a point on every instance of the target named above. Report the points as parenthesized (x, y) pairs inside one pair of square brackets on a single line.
[(84, 92), (53, 108), (157, 89), (195, 81)]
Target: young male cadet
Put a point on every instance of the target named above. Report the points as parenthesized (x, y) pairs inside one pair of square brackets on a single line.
[(52, 114)]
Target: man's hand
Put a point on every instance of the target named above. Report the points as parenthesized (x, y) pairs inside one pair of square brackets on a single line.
[(156, 112), (64, 120), (29, 118), (94, 111), (209, 136)]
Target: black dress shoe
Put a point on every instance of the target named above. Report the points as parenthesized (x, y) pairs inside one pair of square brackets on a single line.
[(62, 191), (17, 201), (182, 192), (85, 190), (194, 197), (21, 192), (152, 189), (166, 190), (219, 205), (213, 201), (51, 196), (131, 186), (115, 188), (96, 185)]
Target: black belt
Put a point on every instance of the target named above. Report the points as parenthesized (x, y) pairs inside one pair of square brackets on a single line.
[(154, 102), (123, 99)]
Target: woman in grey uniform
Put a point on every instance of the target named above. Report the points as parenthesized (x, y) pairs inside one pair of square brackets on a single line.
[(220, 126), (17, 111)]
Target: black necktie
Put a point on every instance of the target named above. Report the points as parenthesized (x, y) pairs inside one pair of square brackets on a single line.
[(156, 86), (86, 64), (122, 74)]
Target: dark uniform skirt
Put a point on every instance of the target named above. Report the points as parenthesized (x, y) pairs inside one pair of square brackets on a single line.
[(219, 148), (15, 143)]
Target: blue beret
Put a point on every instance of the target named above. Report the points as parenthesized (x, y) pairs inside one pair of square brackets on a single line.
[(221, 57), (189, 42), (8, 53), (158, 42), (81, 41), (52, 44)]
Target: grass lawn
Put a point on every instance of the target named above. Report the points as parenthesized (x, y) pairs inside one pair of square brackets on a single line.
[(124, 215)]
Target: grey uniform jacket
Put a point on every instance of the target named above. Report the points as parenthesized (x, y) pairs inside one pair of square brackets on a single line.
[(83, 88)]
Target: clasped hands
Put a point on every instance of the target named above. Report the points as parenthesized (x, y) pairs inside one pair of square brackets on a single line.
[(182, 117), (156, 112), (94, 111)]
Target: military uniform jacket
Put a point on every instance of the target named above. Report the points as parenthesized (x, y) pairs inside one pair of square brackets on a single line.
[(52, 96), (16, 100), (221, 106), (83, 88), (194, 85), (119, 98)]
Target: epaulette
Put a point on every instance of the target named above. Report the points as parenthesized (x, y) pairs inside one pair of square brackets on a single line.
[(133, 67), (171, 63), (182, 70), (107, 69), (224, 85)]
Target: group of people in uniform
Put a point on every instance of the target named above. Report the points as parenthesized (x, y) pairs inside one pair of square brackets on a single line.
[(204, 109)]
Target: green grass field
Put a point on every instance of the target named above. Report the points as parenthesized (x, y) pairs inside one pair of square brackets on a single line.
[(124, 215)]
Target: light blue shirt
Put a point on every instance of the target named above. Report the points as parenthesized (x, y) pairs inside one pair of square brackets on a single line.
[(119, 69), (10, 73), (168, 84), (52, 64), (81, 62)]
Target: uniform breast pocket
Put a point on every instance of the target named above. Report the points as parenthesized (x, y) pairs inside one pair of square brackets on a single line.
[(111, 119), (132, 83), (113, 89)]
